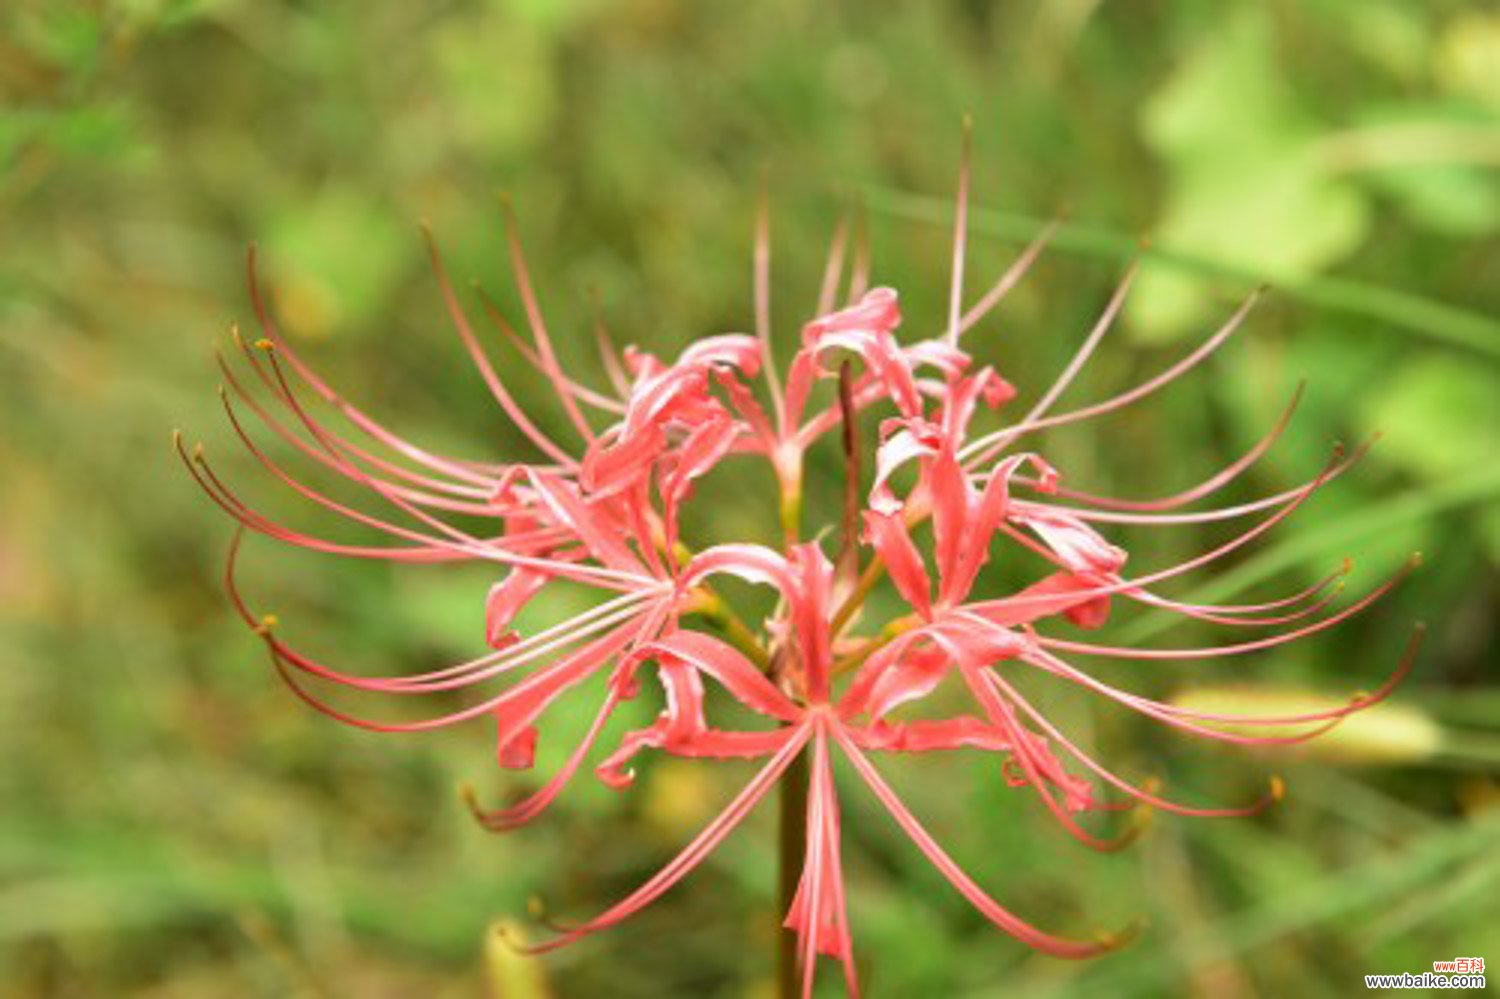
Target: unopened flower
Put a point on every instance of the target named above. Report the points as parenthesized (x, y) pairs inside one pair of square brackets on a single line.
[(606, 512)]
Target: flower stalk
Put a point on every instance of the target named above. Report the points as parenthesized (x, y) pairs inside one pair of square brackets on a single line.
[(791, 845)]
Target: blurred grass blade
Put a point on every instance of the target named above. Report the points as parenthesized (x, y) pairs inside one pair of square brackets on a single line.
[(1368, 887)]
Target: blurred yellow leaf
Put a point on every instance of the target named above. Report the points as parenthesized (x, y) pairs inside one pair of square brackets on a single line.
[(1468, 55), (1385, 733), (508, 973), (680, 795), (1247, 186)]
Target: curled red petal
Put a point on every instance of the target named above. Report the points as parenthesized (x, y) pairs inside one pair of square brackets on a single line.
[(506, 599)]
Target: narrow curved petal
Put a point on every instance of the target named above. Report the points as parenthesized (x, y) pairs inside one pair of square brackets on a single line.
[(730, 668), (505, 600)]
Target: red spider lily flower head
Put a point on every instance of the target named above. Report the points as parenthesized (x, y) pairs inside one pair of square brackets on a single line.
[(604, 512)]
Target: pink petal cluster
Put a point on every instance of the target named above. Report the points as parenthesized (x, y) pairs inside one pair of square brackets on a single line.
[(606, 512)]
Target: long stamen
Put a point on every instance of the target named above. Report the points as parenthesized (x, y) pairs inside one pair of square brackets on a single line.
[(212, 486), (692, 855), (979, 451), (834, 268), (422, 496), (459, 676), (609, 356), (1181, 568), (597, 619), (1182, 720), (1146, 795), (581, 392), (859, 273), (550, 366), (1332, 579), (1172, 713), (1008, 280), (486, 370), (371, 427), (576, 664), (1241, 647), (522, 812), (461, 536), (960, 236), (467, 488), (762, 266), (1211, 516), (977, 897), (1223, 614), (1207, 487), (449, 485), (1102, 326), (431, 549), (433, 552), (1000, 714), (306, 490), (1324, 594)]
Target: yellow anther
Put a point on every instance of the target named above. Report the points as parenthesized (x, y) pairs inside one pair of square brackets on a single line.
[(700, 601), (1278, 787), (265, 344), (268, 623), (470, 797), (1115, 939)]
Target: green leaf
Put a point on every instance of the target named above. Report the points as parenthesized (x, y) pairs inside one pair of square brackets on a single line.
[(1446, 198), (1438, 417), (335, 257), (1246, 186), (1468, 54)]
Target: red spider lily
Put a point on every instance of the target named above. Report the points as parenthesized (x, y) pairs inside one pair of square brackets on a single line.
[(606, 513)]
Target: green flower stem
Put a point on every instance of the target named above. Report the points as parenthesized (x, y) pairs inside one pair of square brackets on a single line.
[(712, 608)]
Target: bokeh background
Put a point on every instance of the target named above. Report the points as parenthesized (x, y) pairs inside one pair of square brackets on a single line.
[(172, 823)]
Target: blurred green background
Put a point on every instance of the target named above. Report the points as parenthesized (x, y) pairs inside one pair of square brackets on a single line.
[(172, 823)]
